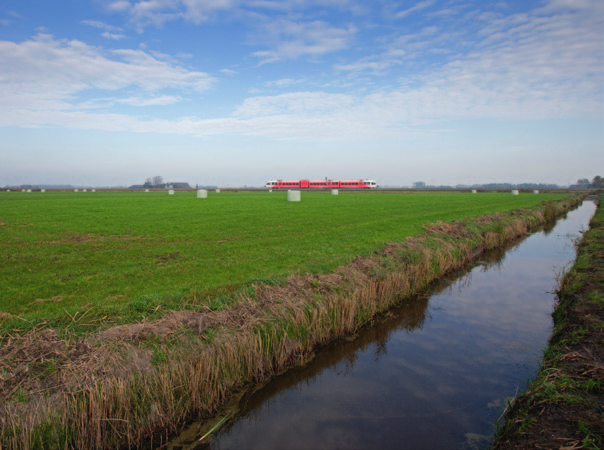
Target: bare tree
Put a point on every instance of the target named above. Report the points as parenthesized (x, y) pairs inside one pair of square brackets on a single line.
[(157, 181)]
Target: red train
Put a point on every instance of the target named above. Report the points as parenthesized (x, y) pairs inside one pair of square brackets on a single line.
[(325, 184)]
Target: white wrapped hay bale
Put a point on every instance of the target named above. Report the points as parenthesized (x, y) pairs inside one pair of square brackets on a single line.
[(334, 192), (202, 193), (294, 196)]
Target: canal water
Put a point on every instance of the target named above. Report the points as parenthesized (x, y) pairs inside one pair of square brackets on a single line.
[(433, 373)]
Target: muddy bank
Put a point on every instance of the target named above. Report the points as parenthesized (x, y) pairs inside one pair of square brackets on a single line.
[(564, 406), (139, 383)]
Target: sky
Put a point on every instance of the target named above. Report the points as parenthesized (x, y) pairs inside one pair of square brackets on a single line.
[(233, 92)]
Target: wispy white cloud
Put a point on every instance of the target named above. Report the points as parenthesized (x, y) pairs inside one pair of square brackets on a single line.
[(44, 74), (151, 12), (229, 71), (96, 103), (114, 36), (164, 57), (539, 65), (285, 38), (284, 82), (14, 14), (293, 5), (157, 12), (377, 64), (449, 12), (291, 40), (107, 102), (6, 22), (100, 25), (119, 5), (418, 6), (397, 50), (111, 31), (592, 6), (161, 100), (199, 10), (297, 103)]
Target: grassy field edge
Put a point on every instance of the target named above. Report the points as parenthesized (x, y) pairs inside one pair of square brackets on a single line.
[(137, 384), (564, 406)]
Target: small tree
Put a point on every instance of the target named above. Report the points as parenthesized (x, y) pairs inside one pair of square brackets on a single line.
[(598, 182), (419, 185), (583, 182), (157, 181)]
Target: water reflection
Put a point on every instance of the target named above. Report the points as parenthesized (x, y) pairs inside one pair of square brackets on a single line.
[(432, 373), (341, 357)]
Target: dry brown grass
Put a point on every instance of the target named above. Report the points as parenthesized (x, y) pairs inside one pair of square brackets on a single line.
[(140, 382), (87, 238), (55, 299)]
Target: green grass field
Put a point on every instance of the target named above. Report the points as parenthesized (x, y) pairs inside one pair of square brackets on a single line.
[(116, 257)]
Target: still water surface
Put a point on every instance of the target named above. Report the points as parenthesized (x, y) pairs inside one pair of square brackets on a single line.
[(433, 373)]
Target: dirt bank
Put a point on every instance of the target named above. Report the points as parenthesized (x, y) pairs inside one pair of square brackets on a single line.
[(139, 383), (564, 407)]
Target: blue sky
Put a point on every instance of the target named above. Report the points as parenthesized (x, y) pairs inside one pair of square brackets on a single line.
[(227, 92)]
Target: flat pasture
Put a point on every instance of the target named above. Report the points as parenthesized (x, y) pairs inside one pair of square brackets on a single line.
[(87, 260)]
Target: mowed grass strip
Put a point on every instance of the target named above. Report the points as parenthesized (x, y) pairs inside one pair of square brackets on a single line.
[(121, 257)]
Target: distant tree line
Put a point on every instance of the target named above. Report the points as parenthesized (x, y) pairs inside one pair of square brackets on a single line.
[(158, 182), (516, 186), (584, 183), (154, 182), (423, 185)]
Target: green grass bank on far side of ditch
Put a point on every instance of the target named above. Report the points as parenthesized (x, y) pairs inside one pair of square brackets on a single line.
[(94, 260), (564, 406)]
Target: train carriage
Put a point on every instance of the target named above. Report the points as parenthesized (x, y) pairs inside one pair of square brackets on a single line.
[(322, 184)]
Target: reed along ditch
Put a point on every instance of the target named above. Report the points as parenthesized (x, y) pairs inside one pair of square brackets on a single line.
[(435, 372)]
